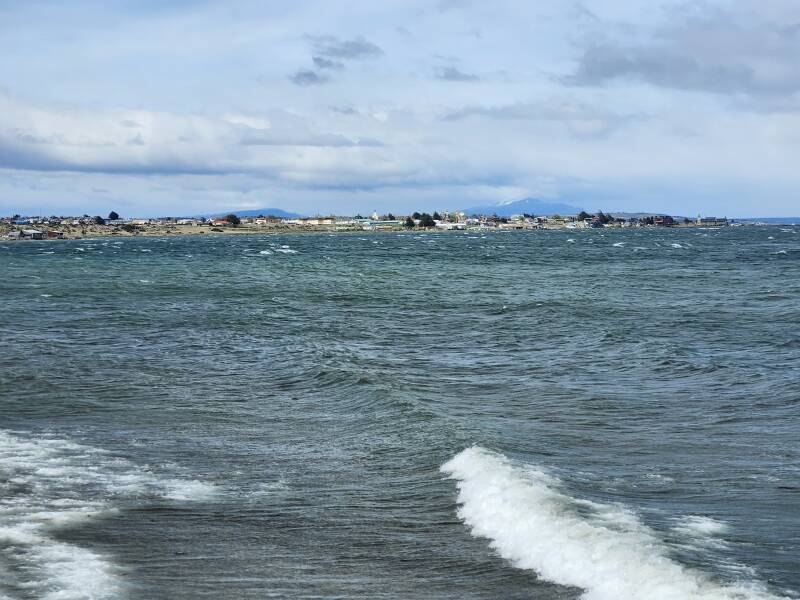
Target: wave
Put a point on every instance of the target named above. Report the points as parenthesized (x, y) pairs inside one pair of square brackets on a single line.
[(48, 483), (604, 549)]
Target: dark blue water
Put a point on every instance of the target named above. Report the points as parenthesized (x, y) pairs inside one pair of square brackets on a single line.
[(617, 413)]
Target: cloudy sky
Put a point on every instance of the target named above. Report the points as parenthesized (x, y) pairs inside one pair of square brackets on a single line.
[(182, 106)]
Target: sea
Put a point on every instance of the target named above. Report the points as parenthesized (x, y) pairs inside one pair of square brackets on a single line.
[(600, 414)]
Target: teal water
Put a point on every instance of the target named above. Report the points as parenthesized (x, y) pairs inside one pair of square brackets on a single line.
[(600, 414)]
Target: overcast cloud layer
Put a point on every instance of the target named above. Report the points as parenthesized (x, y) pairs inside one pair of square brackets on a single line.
[(182, 107)]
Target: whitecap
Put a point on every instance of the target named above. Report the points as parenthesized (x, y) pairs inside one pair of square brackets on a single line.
[(180, 489), (47, 483), (697, 526), (285, 250), (270, 488), (604, 549), (265, 252), (675, 245), (571, 241), (618, 244), (46, 295)]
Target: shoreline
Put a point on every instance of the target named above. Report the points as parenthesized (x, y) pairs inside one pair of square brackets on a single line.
[(102, 231)]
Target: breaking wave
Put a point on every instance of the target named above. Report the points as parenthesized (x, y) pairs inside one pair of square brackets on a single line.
[(602, 548), (48, 483)]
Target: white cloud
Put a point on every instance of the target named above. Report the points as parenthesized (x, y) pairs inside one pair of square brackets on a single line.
[(206, 114)]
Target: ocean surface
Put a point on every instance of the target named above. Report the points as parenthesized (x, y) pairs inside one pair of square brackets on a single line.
[(606, 415)]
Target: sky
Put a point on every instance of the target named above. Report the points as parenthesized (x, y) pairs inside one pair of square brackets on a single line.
[(179, 107)]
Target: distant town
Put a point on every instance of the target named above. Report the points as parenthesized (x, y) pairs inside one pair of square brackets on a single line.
[(19, 227)]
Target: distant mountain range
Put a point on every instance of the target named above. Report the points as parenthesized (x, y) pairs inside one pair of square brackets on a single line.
[(532, 206), (267, 212)]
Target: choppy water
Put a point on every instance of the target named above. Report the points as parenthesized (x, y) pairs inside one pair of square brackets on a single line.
[(606, 415)]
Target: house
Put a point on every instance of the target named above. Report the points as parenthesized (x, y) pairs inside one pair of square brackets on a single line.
[(33, 234), (373, 225), (450, 226), (712, 222), (663, 221), (14, 235), (268, 220)]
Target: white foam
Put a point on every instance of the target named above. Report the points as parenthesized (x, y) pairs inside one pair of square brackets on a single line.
[(180, 489), (702, 531), (75, 573), (47, 483), (270, 488), (618, 244), (676, 245), (604, 549), (702, 526), (265, 252)]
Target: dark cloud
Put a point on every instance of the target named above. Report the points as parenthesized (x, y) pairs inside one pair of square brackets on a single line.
[(454, 74), (305, 77), (32, 158), (326, 63), (717, 51), (344, 110), (665, 67), (330, 54), (331, 47)]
